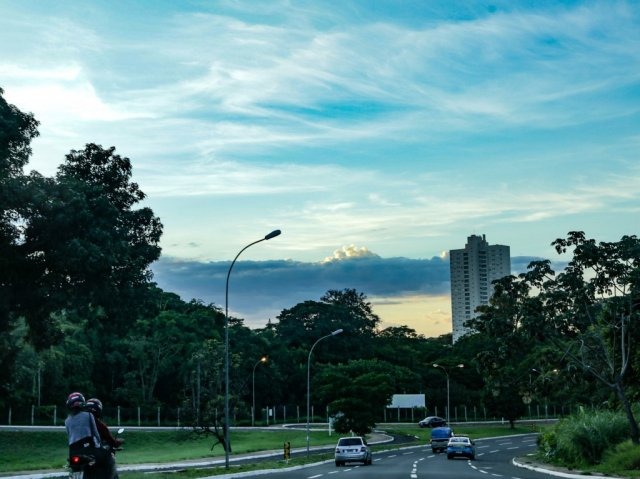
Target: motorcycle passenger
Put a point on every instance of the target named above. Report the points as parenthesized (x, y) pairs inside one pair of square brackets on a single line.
[(94, 406), (82, 432)]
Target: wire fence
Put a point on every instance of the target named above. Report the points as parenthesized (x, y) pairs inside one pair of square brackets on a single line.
[(178, 417)]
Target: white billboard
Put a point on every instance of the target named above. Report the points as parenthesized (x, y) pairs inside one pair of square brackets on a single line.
[(407, 401)]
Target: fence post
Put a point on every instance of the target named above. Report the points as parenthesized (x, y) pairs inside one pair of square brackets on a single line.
[(33, 411), (55, 414), (118, 416), (158, 416), (178, 417), (10, 411), (138, 416)]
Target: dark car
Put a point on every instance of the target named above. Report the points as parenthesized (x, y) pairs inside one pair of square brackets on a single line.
[(461, 446), (440, 438), (432, 421)]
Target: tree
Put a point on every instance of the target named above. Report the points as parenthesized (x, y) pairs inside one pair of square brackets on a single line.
[(17, 129), (504, 335), (86, 249), (359, 390), (597, 299)]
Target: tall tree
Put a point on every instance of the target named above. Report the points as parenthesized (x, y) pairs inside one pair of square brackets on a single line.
[(17, 129), (88, 250), (597, 297)]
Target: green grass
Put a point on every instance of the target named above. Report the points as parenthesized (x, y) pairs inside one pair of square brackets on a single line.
[(29, 451)]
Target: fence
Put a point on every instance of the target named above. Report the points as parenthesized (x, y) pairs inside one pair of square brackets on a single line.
[(177, 417)]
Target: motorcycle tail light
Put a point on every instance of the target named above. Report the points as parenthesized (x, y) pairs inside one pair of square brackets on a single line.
[(75, 459)]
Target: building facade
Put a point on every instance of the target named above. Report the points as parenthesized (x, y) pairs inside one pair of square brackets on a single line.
[(472, 271)]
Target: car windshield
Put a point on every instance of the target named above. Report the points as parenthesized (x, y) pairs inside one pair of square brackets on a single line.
[(350, 441)]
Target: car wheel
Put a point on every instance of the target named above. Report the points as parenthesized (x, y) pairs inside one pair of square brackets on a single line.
[(435, 451), (472, 457), (449, 456)]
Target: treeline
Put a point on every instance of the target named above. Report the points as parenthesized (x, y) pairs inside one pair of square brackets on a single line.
[(79, 311)]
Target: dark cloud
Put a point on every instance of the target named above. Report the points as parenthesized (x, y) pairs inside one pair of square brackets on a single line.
[(259, 290)]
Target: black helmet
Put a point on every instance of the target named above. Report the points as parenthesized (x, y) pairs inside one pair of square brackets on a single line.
[(94, 405), (75, 401)]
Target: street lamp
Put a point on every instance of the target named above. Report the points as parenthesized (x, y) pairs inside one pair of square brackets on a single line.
[(263, 359), (337, 331), (447, 374), (227, 440)]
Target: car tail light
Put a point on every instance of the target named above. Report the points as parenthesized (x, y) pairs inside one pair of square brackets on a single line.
[(75, 459)]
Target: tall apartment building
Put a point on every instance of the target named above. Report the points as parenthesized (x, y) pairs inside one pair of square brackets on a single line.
[(472, 271)]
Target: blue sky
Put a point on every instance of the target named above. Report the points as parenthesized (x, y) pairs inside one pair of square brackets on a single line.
[(374, 134)]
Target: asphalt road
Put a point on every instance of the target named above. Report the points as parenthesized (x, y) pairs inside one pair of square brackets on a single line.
[(494, 458)]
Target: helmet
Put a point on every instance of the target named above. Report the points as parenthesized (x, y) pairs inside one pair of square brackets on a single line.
[(94, 405), (75, 401)]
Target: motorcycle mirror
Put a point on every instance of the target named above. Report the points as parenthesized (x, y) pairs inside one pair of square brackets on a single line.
[(121, 430)]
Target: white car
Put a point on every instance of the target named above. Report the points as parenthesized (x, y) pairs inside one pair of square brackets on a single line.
[(352, 449)]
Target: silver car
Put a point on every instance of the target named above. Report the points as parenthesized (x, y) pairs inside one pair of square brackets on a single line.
[(353, 449)]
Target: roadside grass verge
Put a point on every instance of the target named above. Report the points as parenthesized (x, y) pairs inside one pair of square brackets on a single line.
[(38, 450), (47, 450)]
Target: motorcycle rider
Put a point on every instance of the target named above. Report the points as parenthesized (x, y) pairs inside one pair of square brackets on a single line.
[(82, 432), (94, 406)]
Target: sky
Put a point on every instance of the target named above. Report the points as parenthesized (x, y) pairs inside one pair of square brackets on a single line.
[(376, 135)]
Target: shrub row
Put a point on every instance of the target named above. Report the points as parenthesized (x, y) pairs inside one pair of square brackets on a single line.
[(583, 438)]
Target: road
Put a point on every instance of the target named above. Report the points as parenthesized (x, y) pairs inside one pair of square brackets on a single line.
[(493, 459)]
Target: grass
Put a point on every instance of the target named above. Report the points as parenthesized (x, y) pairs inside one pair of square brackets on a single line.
[(37, 450), (19, 453)]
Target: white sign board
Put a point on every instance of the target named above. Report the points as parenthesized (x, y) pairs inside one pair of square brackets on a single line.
[(407, 401)]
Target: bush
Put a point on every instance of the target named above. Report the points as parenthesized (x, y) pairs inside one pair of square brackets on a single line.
[(582, 438), (625, 456)]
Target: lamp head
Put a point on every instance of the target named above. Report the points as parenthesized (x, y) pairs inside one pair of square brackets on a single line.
[(273, 234), (337, 331)]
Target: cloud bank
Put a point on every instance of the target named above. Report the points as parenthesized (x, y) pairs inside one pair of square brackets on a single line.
[(260, 290)]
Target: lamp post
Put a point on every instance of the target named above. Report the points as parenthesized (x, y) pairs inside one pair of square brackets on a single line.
[(263, 359), (447, 374), (337, 331), (227, 442)]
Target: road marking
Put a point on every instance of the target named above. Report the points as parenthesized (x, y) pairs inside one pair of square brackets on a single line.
[(513, 447)]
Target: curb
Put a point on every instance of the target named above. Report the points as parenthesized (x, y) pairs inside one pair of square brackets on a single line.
[(551, 472)]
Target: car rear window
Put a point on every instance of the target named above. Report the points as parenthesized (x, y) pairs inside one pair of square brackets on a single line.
[(351, 441)]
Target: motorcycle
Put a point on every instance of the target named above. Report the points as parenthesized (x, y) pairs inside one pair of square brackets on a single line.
[(82, 465)]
